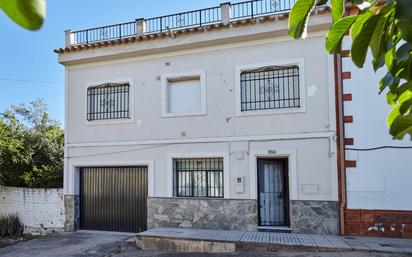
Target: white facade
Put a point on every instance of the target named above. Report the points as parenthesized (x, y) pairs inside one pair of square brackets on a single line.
[(161, 128), (381, 179), (149, 137)]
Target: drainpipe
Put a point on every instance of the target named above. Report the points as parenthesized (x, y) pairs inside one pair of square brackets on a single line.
[(340, 141)]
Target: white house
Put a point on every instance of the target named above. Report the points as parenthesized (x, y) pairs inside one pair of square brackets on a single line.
[(212, 118), (378, 168)]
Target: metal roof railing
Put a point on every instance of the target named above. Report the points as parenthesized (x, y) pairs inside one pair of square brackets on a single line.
[(225, 13)]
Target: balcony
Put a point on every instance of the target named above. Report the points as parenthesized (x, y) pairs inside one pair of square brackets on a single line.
[(225, 13)]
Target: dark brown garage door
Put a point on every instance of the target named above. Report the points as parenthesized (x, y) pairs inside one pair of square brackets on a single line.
[(113, 199)]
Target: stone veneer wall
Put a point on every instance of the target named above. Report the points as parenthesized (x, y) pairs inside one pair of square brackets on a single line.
[(314, 217), (230, 214), (71, 212)]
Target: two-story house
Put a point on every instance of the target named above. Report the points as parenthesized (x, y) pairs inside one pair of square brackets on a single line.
[(211, 118)]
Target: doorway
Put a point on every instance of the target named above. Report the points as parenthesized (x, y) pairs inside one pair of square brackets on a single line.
[(273, 191)]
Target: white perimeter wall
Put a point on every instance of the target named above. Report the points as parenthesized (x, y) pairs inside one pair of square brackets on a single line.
[(40, 210), (382, 178)]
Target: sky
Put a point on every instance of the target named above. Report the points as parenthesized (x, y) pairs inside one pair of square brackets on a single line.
[(28, 65)]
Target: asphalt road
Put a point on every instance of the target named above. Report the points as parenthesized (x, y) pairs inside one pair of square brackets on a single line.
[(98, 244)]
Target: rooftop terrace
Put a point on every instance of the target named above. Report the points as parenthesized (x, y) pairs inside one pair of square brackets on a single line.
[(223, 14)]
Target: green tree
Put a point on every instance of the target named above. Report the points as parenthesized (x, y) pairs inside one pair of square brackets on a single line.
[(29, 14), (384, 27), (31, 147)]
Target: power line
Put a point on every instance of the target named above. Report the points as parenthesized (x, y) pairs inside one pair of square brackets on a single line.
[(378, 148), (31, 81), (117, 152)]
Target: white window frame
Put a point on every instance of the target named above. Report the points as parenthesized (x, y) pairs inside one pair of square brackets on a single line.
[(302, 92), (201, 74), (89, 84), (226, 171)]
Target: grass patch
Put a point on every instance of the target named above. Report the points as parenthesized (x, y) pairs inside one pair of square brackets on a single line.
[(11, 226)]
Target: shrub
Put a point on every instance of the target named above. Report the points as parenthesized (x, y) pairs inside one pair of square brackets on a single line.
[(11, 226)]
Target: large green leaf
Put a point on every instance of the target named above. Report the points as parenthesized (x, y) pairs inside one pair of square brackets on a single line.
[(378, 37), (27, 13), (406, 29), (360, 21), (378, 63), (407, 86), (337, 32), (397, 94), (401, 126), (399, 123), (362, 40), (406, 106), (390, 58), (338, 8), (298, 18), (404, 69), (388, 81), (404, 10)]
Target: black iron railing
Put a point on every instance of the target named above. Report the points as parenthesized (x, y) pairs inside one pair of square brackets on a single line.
[(197, 18), (183, 20), (256, 8), (117, 31)]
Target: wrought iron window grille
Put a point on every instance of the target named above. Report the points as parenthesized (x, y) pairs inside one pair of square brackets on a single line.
[(270, 87), (198, 177), (108, 101)]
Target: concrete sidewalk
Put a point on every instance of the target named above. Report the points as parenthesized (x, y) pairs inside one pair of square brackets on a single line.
[(268, 240)]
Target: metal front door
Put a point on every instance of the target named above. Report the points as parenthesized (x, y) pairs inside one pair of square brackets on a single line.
[(273, 192), (113, 199)]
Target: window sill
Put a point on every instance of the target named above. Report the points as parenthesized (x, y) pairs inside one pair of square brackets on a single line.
[(109, 122), (270, 112), (198, 197), (183, 114)]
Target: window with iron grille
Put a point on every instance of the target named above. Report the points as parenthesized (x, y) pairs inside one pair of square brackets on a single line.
[(271, 87), (198, 177), (108, 101)]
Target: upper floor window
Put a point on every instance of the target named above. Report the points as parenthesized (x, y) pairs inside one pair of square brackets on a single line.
[(108, 101), (198, 177), (270, 87), (183, 94)]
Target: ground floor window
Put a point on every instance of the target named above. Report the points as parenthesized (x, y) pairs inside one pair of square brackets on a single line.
[(198, 177)]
